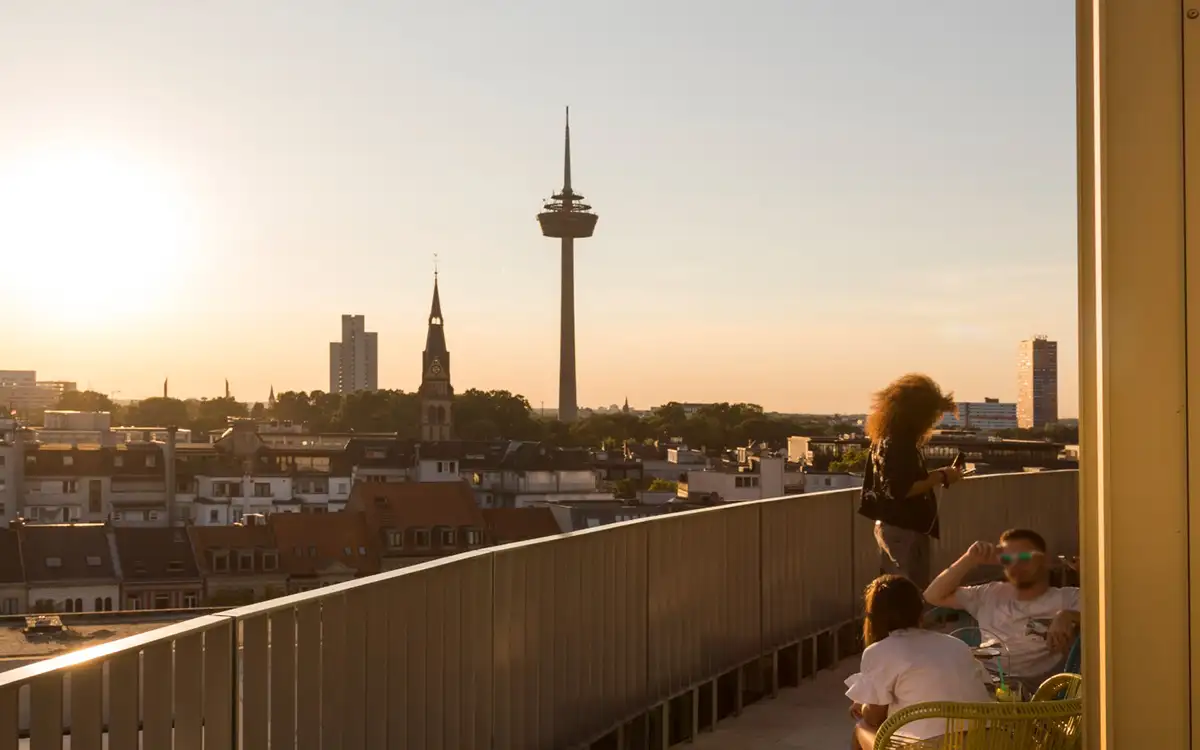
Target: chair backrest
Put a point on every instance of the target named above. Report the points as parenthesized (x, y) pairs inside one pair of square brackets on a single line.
[(1044, 725), (1060, 687), (1075, 658)]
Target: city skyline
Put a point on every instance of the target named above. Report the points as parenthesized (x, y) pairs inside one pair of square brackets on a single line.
[(750, 239)]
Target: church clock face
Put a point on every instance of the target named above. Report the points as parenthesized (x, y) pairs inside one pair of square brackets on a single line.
[(435, 368)]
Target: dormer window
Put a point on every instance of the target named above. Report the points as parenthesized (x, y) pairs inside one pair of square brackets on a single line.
[(270, 560), (447, 537), (246, 560), (395, 539), (151, 460), (175, 566), (421, 537), (68, 460), (53, 562), (93, 561), (220, 561), (118, 461)]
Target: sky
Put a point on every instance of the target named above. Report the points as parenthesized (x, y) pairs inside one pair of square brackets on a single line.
[(799, 200)]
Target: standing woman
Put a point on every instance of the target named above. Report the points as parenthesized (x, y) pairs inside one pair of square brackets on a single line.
[(898, 493)]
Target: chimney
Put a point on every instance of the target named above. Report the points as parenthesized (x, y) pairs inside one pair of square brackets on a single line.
[(169, 478)]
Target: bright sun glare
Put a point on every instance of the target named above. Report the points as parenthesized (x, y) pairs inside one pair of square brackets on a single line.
[(90, 234)]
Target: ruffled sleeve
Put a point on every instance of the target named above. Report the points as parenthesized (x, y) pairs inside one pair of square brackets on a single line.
[(873, 684)]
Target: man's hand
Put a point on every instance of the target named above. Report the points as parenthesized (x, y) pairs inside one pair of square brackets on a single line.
[(1062, 631), (983, 553)]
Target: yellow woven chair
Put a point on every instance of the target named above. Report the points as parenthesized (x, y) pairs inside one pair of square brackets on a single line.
[(1044, 725), (1059, 687)]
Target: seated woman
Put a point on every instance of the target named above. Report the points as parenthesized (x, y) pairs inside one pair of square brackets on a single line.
[(903, 665)]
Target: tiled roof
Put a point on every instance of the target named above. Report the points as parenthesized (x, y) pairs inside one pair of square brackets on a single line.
[(205, 539), (67, 552), (311, 542), (155, 554), (518, 524), (403, 505)]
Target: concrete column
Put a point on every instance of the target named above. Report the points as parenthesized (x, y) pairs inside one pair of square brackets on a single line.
[(1139, 288)]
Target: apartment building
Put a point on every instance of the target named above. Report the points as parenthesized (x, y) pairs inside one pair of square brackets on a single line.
[(1037, 382), (354, 361)]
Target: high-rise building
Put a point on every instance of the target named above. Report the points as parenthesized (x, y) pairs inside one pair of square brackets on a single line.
[(354, 361), (567, 218), (1037, 383), (436, 394)]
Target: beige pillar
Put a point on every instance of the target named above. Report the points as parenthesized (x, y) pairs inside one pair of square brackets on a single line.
[(1139, 226)]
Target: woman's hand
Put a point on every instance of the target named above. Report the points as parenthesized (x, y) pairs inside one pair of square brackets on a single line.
[(951, 474), (856, 711)]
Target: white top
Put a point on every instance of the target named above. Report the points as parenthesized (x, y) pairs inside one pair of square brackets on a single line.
[(918, 666), (1020, 626)]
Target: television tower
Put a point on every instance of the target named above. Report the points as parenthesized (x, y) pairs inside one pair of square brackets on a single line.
[(566, 218)]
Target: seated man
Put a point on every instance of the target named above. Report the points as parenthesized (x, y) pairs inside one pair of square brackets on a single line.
[(1034, 622)]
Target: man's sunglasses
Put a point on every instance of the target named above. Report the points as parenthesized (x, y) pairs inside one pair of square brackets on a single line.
[(1009, 558)]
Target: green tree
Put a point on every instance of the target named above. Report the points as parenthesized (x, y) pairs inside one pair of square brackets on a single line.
[(663, 485), (625, 489), (214, 413), (852, 461), (488, 415), (85, 401), (157, 412)]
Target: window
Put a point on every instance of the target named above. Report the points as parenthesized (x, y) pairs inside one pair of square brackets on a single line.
[(68, 460), (133, 602), (99, 607), (262, 489), (245, 559), (220, 561), (474, 538), (2, 458), (9, 607), (376, 453), (151, 460), (118, 461), (828, 481), (347, 551), (190, 600), (78, 605), (53, 562), (175, 566), (108, 604), (362, 551), (453, 466), (69, 486), (341, 487), (439, 467), (95, 495), (68, 605), (421, 537), (93, 561), (214, 515), (395, 539), (312, 551), (162, 601), (270, 560), (447, 537), (380, 501), (152, 515)]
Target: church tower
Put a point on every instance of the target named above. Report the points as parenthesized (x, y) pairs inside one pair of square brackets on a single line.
[(436, 393)]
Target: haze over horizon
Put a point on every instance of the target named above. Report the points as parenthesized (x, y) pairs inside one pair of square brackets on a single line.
[(796, 204)]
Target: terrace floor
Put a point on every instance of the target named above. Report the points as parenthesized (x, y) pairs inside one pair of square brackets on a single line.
[(814, 716)]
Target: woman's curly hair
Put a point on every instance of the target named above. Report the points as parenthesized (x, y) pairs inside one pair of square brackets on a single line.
[(909, 407)]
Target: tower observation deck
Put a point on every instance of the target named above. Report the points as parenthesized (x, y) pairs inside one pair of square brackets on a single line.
[(567, 218)]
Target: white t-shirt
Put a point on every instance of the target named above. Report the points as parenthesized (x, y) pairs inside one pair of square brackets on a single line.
[(918, 666), (1020, 626)]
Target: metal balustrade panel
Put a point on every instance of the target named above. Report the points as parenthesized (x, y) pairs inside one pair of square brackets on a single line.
[(704, 611), (808, 564)]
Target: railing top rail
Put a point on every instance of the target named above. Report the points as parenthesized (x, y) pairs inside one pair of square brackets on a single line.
[(136, 642)]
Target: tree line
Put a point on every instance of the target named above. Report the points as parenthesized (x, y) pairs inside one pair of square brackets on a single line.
[(478, 415)]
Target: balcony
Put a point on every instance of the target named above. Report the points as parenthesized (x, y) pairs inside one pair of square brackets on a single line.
[(634, 635)]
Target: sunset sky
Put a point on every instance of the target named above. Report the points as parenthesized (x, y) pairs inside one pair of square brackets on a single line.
[(798, 199)]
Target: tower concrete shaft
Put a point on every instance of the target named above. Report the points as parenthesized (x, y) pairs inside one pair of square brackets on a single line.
[(567, 218)]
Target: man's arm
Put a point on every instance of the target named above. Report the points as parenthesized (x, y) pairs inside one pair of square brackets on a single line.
[(943, 592)]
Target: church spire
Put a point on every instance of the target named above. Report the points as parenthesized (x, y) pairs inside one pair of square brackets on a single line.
[(435, 310)]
